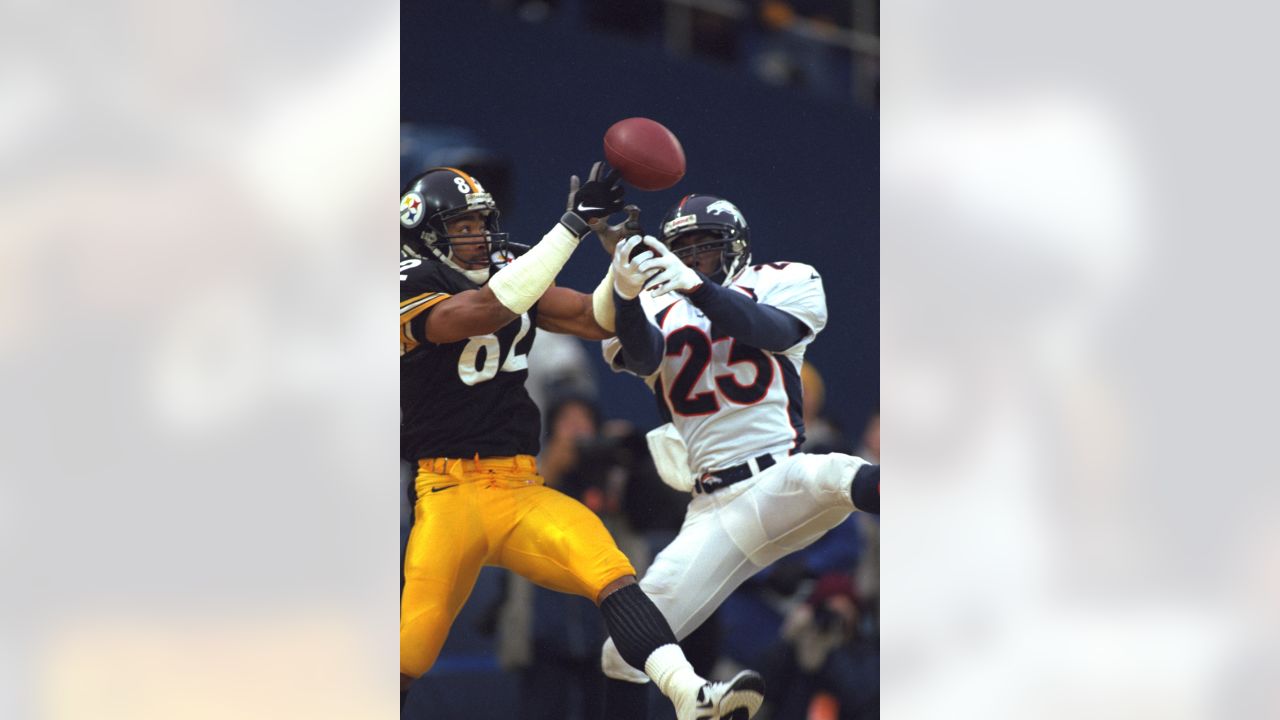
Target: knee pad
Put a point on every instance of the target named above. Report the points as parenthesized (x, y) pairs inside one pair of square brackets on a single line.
[(833, 474), (615, 667)]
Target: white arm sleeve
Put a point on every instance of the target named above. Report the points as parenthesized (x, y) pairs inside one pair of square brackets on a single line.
[(519, 285), (602, 303)]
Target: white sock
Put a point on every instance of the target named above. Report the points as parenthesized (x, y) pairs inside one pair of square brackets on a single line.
[(672, 673)]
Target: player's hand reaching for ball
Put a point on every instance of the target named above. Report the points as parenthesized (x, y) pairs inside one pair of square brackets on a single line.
[(599, 197), (628, 280), (611, 235), (666, 272)]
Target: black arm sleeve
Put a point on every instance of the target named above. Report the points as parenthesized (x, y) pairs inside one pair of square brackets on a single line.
[(641, 342), (762, 326)]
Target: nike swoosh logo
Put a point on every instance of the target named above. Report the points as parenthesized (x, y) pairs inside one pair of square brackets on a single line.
[(585, 208), (446, 487)]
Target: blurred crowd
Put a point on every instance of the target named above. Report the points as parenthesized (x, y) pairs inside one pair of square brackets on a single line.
[(826, 47), (810, 623)]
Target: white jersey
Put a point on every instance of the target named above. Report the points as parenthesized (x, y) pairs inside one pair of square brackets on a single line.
[(729, 401)]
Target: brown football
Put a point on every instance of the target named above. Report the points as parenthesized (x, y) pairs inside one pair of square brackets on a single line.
[(645, 153)]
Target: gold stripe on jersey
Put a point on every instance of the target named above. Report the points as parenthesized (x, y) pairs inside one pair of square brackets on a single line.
[(407, 340), (414, 303), (412, 308)]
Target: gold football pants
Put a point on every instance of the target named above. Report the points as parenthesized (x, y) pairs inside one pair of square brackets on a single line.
[(492, 511)]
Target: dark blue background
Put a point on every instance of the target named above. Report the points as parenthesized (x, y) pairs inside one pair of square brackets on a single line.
[(803, 170)]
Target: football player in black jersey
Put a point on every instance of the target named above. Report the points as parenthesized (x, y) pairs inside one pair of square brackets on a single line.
[(468, 315)]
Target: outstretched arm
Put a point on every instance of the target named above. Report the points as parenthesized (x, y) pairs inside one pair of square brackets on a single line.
[(642, 343), (756, 324), (567, 311), (741, 317), (474, 312), (515, 288)]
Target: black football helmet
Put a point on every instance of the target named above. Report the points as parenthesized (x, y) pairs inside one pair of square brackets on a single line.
[(721, 218), (438, 196)]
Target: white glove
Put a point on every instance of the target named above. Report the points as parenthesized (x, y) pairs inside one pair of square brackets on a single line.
[(628, 280), (666, 272)]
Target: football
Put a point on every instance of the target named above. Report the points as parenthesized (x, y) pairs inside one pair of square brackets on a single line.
[(645, 153)]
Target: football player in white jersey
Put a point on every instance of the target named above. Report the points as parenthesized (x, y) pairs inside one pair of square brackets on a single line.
[(720, 342)]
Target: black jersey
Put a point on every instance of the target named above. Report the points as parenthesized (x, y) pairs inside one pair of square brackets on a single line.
[(466, 397)]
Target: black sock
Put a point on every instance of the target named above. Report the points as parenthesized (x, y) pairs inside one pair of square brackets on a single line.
[(866, 489), (635, 625), (625, 700)]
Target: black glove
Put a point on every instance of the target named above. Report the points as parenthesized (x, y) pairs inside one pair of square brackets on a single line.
[(600, 196)]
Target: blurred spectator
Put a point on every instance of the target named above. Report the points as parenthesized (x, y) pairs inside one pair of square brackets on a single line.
[(870, 449), (821, 434), (558, 366), (823, 653), (571, 421), (802, 45)]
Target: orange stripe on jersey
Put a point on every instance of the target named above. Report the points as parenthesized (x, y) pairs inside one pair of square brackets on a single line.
[(475, 186)]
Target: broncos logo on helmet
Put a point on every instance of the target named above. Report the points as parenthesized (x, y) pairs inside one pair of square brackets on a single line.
[(720, 219)]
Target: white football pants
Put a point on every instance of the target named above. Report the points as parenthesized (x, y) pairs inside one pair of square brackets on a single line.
[(729, 535)]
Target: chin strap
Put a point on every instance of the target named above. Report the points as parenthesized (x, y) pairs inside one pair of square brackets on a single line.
[(479, 276)]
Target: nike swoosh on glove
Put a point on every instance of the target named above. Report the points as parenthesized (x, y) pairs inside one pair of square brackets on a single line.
[(667, 272), (600, 196)]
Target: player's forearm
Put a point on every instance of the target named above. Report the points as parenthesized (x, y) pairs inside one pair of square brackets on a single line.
[(761, 326), (519, 285), (641, 342), (474, 312)]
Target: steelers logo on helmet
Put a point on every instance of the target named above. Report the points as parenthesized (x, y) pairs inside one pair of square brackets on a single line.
[(501, 258), (411, 210)]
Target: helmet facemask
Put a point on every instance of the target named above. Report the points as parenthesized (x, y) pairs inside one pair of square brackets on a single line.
[(443, 244), (734, 254), (720, 226)]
